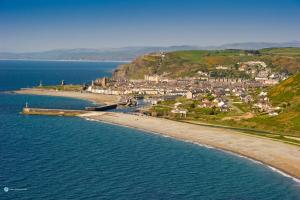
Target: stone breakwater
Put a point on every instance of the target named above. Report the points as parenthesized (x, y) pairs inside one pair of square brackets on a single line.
[(57, 112)]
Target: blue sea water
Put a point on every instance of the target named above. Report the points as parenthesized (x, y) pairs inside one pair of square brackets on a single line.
[(71, 158)]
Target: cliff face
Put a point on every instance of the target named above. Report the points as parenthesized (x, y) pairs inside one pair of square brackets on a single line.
[(173, 65), (189, 63), (146, 64)]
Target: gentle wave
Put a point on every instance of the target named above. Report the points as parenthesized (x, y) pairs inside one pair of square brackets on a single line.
[(89, 119), (284, 174), (245, 157)]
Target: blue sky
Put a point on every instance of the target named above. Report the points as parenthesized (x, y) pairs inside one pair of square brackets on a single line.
[(34, 25)]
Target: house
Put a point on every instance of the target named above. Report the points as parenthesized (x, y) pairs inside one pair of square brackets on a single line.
[(272, 114), (201, 73), (247, 98), (205, 100), (192, 94), (150, 91), (153, 78), (180, 111), (221, 104), (217, 100), (189, 95), (176, 105), (262, 94), (271, 81), (177, 93), (221, 67), (263, 107), (206, 104), (154, 101), (224, 108)]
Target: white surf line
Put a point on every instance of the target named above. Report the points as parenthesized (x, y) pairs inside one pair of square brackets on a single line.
[(205, 146), (248, 158)]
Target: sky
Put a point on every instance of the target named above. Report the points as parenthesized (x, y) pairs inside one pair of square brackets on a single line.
[(38, 25)]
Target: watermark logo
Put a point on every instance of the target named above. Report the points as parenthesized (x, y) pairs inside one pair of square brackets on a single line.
[(7, 189)]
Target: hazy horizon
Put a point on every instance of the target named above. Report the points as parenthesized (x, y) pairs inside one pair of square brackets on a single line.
[(153, 46), (33, 25)]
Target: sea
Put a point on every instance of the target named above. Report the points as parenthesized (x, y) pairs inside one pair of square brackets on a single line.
[(52, 157)]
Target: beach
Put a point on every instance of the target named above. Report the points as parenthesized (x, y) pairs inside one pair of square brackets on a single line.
[(284, 157), (97, 98)]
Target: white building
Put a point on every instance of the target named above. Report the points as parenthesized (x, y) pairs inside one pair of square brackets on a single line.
[(153, 78)]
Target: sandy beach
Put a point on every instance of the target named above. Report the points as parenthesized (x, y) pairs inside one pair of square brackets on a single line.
[(279, 155), (97, 98)]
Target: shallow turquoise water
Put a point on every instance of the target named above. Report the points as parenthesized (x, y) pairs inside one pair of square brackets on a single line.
[(71, 158)]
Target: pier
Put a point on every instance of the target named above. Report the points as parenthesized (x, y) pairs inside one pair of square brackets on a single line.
[(66, 112), (102, 108)]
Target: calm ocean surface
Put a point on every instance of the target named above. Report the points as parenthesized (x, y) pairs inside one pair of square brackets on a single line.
[(71, 158)]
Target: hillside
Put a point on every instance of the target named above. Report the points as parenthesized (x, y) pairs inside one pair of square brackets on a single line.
[(188, 63), (288, 91), (286, 95)]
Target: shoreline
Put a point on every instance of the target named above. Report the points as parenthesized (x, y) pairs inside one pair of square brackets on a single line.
[(278, 156), (286, 165), (95, 98)]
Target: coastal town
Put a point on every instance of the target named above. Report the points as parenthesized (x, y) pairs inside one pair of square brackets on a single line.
[(218, 93)]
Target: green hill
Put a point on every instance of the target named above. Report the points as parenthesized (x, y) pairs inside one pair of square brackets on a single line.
[(188, 63), (286, 95), (286, 92)]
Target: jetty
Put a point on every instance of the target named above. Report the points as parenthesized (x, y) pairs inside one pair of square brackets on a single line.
[(102, 108), (66, 112)]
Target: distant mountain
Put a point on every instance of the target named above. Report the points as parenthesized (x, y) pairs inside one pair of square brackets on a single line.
[(116, 54), (129, 53), (258, 45)]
